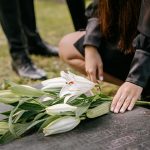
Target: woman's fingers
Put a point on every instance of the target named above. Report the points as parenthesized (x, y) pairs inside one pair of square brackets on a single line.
[(115, 100), (126, 97), (93, 64), (126, 104), (100, 72), (133, 101), (119, 104), (92, 75)]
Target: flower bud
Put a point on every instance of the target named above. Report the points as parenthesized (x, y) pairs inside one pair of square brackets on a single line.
[(52, 84), (7, 97), (61, 125), (25, 90), (3, 127), (100, 110), (59, 109)]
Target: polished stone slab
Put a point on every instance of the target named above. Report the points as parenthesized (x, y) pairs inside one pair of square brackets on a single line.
[(128, 131)]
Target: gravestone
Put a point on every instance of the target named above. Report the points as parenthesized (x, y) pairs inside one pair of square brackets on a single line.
[(128, 131)]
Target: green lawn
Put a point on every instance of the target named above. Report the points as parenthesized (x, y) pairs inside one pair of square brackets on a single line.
[(53, 22)]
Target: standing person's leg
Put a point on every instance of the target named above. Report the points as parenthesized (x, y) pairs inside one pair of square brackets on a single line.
[(12, 26), (35, 42), (77, 11)]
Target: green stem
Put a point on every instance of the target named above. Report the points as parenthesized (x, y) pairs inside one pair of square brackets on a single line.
[(143, 103), (111, 98), (37, 101)]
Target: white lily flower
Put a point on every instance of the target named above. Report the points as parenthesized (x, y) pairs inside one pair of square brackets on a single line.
[(75, 86), (60, 108), (61, 125), (54, 83)]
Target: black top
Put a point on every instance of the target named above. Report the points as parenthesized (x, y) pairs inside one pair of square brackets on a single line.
[(139, 73)]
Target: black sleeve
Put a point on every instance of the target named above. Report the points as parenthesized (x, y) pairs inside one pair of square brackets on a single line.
[(140, 68), (92, 9), (93, 35)]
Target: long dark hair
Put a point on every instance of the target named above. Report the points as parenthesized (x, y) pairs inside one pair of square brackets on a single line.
[(121, 16)]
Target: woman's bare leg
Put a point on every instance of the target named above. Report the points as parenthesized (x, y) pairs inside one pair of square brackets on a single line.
[(69, 54)]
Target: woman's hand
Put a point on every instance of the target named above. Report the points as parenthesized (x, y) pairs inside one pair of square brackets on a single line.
[(126, 97), (93, 64)]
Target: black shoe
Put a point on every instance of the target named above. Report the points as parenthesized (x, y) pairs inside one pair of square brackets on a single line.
[(24, 67), (43, 49)]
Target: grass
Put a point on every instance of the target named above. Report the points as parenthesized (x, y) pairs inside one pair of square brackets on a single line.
[(53, 21)]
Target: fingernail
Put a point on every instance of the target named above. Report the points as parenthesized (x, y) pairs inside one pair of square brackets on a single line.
[(129, 108), (112, 109), (115, 111), (122, 110), (101, 78)]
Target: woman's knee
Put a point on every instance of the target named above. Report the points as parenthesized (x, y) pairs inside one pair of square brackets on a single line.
[(66, 46)]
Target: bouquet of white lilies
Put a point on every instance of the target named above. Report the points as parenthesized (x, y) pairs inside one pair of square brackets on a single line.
[(58, 106)]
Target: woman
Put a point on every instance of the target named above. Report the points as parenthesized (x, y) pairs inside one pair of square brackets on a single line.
[(115, 47)]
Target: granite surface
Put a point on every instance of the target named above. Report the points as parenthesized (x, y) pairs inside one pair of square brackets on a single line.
[(128, 131)]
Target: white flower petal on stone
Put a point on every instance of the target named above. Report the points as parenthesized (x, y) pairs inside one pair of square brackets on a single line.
[(53, 83), (61, 125), (75, 86), (60, 108)]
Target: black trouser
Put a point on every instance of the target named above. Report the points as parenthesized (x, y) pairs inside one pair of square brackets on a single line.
[(77, 10), (18, 22)]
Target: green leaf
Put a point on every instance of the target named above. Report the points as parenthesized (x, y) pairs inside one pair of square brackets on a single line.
[(53, 102), (6, 113), (8, 136), (80, 101), (96, 103), (19, 115), (34, 123), (19, 130), (28, 116), (48, 121), (10, 123), (31, 106), (39, 116), (81, 110), (99, 99)]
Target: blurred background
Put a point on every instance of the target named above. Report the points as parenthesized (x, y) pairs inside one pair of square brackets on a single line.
[(53, 21)]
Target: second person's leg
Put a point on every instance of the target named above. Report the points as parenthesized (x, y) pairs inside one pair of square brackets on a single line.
[(35, 42), (12, 26), (77, 11)]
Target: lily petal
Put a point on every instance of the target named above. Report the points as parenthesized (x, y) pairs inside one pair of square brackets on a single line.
[(53, 83)]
